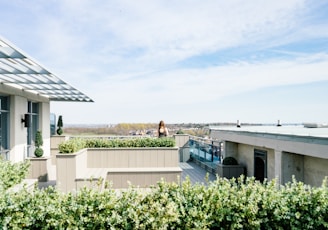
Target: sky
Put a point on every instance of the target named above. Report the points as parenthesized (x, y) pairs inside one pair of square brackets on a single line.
[(181, 61)]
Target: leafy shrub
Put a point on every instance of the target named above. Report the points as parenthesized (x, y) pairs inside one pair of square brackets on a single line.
[(72, 145), (59, 131), (76, 144), (222, 204), (12, 173), (38, 152), (38, 143), (60, 125), (180, 131), (229, 161)]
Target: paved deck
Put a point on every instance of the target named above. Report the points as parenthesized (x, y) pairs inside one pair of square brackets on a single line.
[(195, 173)]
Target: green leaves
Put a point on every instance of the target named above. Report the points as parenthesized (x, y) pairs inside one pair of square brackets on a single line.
[(38, 139), (72, 145), (12, 173), (76, 144), (242, 203)]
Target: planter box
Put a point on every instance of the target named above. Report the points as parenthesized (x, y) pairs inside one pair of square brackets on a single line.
[(39, 168), (54, 143), (230, 171), (140, 166), (69, 166)]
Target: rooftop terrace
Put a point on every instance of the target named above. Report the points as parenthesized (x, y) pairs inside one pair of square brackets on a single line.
[(191, 170)]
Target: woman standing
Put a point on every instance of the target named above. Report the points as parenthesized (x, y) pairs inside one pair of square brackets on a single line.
[(162, 130)]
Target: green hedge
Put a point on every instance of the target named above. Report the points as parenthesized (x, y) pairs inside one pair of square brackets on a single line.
[(221, 204), (12, 173), (76, 144)]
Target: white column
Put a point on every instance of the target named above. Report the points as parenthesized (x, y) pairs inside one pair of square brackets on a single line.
[(44, 125), (18, 133)]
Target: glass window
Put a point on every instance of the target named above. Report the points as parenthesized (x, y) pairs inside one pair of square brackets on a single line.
[(52, 124), (33, 111), (4, 127)]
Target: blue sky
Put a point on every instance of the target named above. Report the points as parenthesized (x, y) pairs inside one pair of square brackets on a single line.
[(180, 61)]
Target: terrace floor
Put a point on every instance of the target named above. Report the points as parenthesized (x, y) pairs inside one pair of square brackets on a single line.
[(196, 174)]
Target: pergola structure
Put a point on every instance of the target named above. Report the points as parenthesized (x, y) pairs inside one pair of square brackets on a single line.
[(20, 71)]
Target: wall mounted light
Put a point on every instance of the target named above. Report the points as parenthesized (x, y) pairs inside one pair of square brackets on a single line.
[(26, 120)]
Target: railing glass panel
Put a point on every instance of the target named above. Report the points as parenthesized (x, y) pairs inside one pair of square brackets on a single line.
[(205, 150)]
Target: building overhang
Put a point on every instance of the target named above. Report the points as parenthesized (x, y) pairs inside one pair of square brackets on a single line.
[(286, 139), (20, 71)]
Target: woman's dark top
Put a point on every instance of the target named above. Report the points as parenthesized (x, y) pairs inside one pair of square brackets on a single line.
[(162, 134)]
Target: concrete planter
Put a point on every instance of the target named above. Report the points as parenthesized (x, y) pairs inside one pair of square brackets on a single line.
[(182, 141), (140, 166), (230, 171), (68, 167), (54, 143), (39, 168)]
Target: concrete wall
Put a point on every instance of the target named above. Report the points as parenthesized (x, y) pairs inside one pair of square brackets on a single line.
[(315, 170), (292, 166), (276, 143), (271, 173), (245, 157), (305, 160), (310, 170), (230, 149)]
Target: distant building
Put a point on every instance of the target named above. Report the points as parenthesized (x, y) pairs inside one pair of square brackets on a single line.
[(278, 151), (26, 90)]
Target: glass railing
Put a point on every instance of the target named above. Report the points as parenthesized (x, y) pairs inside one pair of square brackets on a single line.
[(206, 150)]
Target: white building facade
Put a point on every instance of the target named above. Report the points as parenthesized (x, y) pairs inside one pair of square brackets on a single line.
[(283, 152), (26, 90)]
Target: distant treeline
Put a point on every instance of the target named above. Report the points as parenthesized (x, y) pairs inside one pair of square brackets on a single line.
[(124, 129), (118, 129)]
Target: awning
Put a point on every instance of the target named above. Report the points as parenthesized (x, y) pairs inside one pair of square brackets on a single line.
[(20, 71)]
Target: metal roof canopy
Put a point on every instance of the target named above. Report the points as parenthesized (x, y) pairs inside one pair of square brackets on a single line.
[(20, 71)]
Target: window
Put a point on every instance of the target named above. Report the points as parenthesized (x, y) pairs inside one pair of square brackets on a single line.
[(52, 124), (33, 111), (4, 127)]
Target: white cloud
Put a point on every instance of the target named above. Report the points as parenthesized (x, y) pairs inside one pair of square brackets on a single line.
[(127, 55), (163, 32), (200, 85)]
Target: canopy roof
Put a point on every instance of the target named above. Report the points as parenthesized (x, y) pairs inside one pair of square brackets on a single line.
[(20, 71)]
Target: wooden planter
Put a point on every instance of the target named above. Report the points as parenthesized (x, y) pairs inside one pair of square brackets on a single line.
[(39, 168), (140, 166), (55, 141), (230, 171)]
